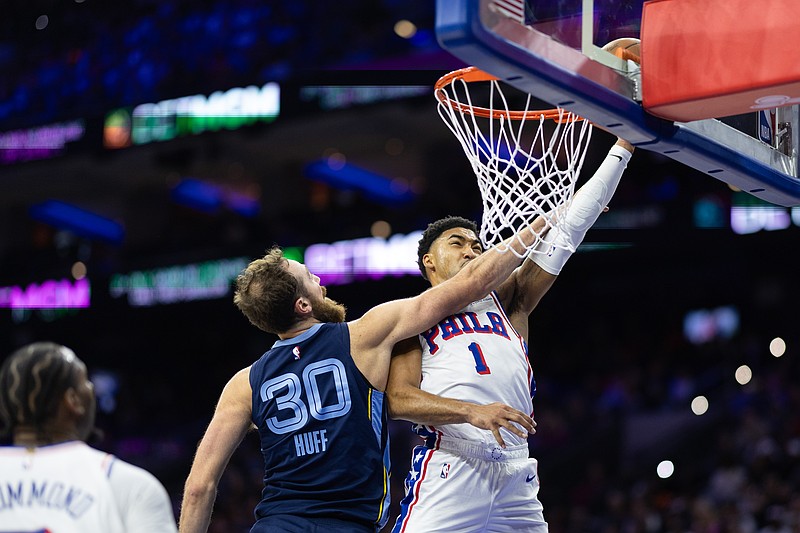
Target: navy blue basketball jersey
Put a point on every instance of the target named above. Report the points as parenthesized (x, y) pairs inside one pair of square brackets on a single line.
[(323, 431)]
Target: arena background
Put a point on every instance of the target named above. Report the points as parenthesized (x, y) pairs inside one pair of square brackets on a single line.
[(685, 290)]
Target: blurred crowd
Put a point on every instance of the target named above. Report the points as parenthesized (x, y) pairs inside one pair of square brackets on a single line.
[(90, 57)]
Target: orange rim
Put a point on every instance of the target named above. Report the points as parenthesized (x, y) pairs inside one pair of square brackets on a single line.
[(626, 54), (474, 74)]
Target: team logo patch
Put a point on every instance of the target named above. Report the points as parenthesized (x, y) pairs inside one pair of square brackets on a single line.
[(445, 470)]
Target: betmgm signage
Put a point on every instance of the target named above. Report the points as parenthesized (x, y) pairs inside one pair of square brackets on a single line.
[(191, 115)]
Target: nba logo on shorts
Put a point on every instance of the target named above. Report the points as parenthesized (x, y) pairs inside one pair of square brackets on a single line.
[(445, 470)]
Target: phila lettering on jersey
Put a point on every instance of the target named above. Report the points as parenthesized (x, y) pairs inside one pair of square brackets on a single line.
[(323, 429), (476, 355)]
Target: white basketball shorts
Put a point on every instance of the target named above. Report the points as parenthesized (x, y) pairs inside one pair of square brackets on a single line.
[(468, 487)]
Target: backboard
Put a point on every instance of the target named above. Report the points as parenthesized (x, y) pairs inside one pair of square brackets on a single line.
[(553, 50)]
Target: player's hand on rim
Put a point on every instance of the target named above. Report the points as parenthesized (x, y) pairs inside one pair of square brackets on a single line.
[(493, 416)]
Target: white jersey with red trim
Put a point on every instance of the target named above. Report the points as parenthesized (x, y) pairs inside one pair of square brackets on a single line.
[(476, 355), (73, 488)]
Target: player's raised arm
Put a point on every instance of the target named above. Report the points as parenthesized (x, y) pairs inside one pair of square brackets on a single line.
[(374, 334), (388, 323), (533, 279)]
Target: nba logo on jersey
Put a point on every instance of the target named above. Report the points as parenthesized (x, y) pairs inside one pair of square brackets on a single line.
[(296, 352), (445, 470)]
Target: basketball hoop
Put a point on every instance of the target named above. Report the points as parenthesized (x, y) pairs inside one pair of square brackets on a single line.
[(526, 161)]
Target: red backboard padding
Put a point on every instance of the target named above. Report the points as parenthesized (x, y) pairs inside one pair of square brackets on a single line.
[(715, 58)]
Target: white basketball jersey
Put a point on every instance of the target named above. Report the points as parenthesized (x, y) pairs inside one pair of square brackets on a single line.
[(477, 356), (67, 488)]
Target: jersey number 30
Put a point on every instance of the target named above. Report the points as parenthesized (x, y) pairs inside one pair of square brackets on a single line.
[(287, 388)]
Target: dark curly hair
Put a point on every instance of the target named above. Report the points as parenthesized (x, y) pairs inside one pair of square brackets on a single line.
[(32, 382), (435, 229)]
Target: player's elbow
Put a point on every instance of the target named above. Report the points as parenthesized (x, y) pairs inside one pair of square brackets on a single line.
[(393, 406), (198, 492), (396, 403)]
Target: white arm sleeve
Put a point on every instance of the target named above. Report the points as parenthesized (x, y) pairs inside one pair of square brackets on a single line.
[(589, 202), (142, 500)]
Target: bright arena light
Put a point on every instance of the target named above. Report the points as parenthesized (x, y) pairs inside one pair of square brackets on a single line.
[(777, 347), (700, 405), (405, 29), (665, 469), (743, 375), (78, 270)]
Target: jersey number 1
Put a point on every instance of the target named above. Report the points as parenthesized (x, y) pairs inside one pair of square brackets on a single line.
[(480, 362)]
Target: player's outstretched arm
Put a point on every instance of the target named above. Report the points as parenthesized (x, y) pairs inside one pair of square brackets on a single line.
[(534, 278), (228, 426), (373, 336), (587, 205), (407, 402)]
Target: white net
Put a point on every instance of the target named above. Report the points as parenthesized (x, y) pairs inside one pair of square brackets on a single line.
[(526, 162)]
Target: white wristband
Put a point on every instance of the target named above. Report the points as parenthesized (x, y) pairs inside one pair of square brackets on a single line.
[(590, 200)]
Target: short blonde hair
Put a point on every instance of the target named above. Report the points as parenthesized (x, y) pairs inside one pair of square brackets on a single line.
[(266, 292)]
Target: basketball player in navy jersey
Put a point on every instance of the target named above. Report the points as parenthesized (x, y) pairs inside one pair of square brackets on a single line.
[(473, 474), (50, 479), (316, 397)]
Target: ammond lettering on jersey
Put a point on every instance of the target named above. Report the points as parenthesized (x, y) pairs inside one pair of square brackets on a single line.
[(462, 323), (52, 495)]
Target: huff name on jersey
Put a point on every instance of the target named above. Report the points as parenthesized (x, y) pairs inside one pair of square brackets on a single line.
[(311, 442)]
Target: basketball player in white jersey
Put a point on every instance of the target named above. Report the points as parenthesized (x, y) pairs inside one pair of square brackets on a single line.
[(463, 380), (50, 479)]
